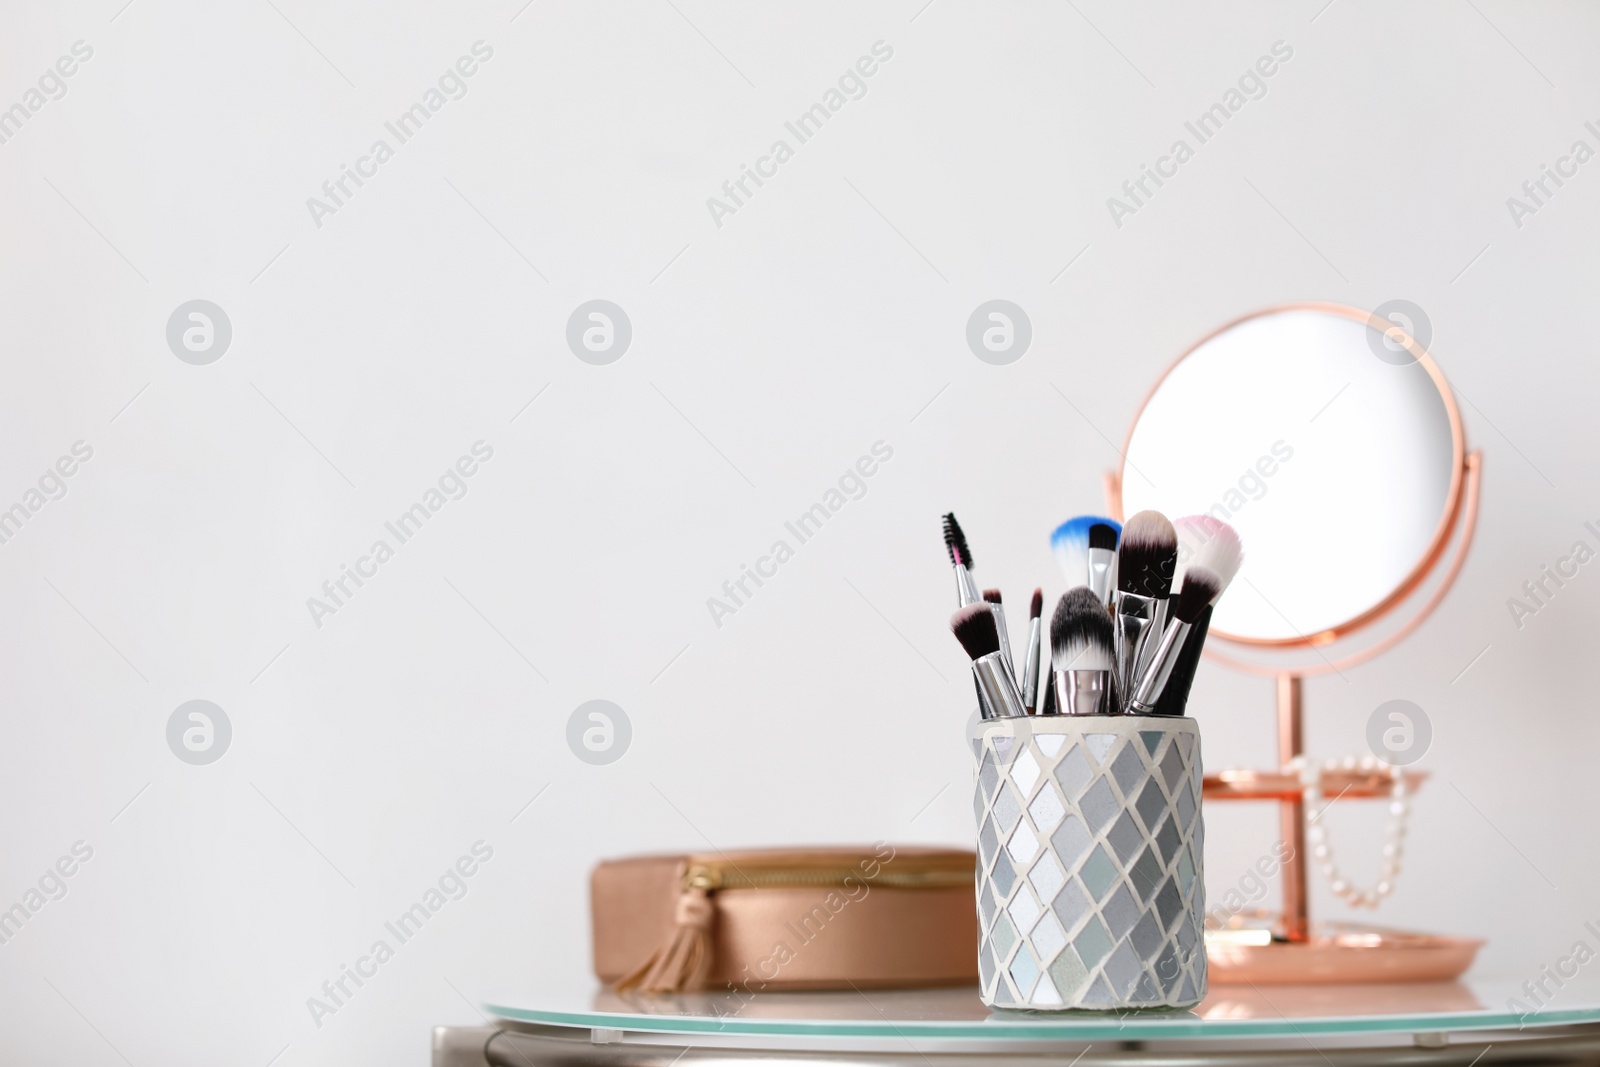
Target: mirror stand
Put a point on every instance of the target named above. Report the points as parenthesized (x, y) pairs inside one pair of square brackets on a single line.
[(1287, 947)]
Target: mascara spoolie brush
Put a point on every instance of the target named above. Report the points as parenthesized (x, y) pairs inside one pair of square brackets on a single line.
[(1145, 560), (974, 627), (1030, 662), (1082, 656), (955, 543)]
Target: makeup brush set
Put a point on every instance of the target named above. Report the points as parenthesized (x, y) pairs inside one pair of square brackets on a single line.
[(1124, 639)]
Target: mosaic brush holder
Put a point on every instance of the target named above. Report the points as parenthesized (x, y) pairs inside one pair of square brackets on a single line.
[(1091, 889)]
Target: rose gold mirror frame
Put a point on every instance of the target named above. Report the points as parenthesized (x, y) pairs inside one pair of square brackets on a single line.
[(1298, 952)]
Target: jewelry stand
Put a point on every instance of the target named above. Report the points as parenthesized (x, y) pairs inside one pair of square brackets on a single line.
[(1293, 948)]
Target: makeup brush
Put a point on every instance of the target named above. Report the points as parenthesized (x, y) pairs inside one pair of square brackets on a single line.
[(1082, 655), (1210, 543), (1073, 543), (1174, 698), (1030, 662), (1201, 588), (955, 543), (1206, 542), (996, 604), (974, 627), (1145, 559)]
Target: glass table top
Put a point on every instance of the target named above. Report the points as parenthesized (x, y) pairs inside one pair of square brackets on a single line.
[(956, 1013)]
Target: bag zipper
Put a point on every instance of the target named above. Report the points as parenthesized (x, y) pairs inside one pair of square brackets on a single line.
[(708, 877)]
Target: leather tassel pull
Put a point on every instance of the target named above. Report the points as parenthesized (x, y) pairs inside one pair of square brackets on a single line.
[(679, 965)]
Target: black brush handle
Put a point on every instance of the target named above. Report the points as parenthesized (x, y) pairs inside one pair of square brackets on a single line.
[(1174, 698)]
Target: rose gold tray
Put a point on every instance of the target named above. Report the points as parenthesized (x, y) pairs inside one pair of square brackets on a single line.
[(1337, 952), (1277, 785)]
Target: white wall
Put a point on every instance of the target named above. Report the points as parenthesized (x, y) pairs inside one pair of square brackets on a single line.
[(768, 354)]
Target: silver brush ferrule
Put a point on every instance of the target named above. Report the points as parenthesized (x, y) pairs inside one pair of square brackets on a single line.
[(999, 613), (1084, 693), (966, 588), (1102, 565), (1135, 613), (1146, 651), (998, 686), (1030, 666), (1147, 691)]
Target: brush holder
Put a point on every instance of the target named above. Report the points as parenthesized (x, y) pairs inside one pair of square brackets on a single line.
[(1091, 887)]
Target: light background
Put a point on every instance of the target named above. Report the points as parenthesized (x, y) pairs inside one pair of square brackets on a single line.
[(768, 354)]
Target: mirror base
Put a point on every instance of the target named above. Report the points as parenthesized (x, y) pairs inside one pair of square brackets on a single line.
[(1244, 952)]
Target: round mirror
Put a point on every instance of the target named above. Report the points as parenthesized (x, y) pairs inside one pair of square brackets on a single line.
[(1333, 447)]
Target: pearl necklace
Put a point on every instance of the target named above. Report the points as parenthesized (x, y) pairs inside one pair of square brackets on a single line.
[(1394, 831)]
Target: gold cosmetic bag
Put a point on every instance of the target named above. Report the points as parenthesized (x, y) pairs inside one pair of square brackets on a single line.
[(796, 918)]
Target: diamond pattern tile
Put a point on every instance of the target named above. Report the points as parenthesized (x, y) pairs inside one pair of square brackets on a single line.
[(1023, 845), (1127, 769), (988, 777), (1172, 770), (1125, 838), (1047, 809), (1099, 745), (1099, 805), (1152, 804), (1004, 875), (1067, 970), (1145, 874), (1073, 773), (1121, 911), (987, 842), (1099, 873), (1004, 937), (1186, 807), (1047, 937), (1147, 937), (1024, 910), (1123, 970), (1047, 877), (1091, 892), (1071, 904), (1167, 840), (1071, 841), (1006, 808), (1045, 994), (1024, 772), (1024, 970), (1092, 942)]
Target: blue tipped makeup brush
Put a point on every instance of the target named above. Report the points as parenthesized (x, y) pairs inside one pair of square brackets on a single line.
[(1086, 550)]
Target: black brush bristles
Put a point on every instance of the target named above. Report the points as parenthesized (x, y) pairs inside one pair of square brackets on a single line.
[(992, 596), (955, 541), (1201, 587), (1081, 633), (974, 627), (1103, 536), (1036, 605), (1147, 556)]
